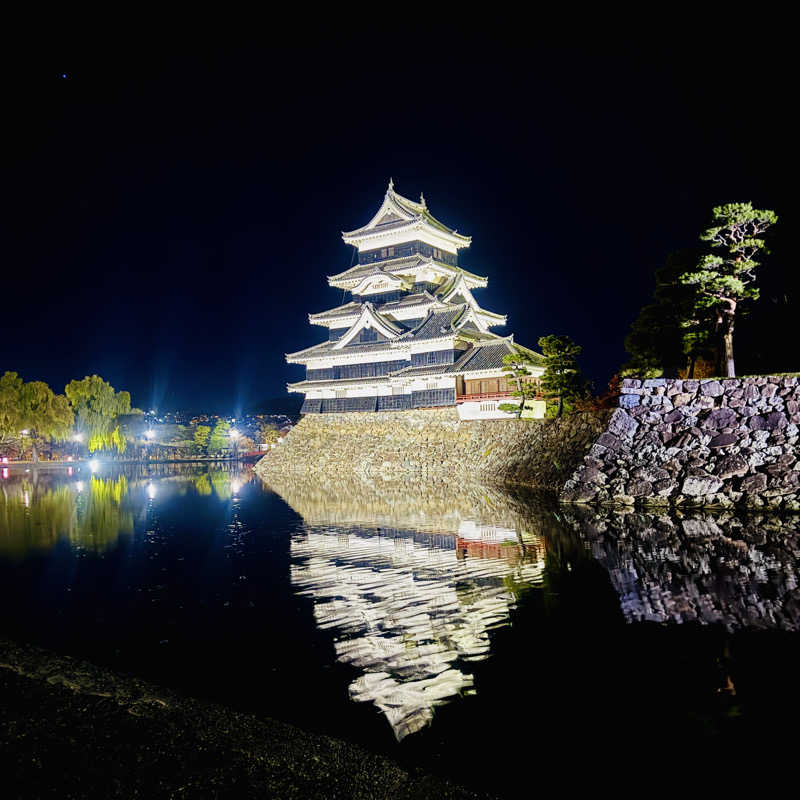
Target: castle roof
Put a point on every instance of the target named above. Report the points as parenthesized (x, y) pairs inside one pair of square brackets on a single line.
[(400, 266), (397, 214)]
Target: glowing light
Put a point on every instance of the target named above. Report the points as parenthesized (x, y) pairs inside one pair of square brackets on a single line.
[(151, 490), (69, 470), (69, 458), (5, 472), (26, 498), (150, 435), (79, 486), (5, 459), (78, 437), (94, 465), (235, 486), (234, 434), (24, 431)]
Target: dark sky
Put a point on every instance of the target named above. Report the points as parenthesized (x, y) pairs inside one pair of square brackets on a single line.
[(171, 214)]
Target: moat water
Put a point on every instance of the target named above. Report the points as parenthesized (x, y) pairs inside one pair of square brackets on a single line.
[(472, 632)]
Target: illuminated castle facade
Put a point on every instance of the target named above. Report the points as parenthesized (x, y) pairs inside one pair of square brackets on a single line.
[(412, 335)]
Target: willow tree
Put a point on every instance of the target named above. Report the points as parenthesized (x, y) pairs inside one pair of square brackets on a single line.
[(97, 407), (45, 415), (32, 407), (10, 408), (725, 278)]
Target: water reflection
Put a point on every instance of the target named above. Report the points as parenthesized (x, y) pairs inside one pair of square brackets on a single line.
[(741, 572), (411, 585), (92, 512)]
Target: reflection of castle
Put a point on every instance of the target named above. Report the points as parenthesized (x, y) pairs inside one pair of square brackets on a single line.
[(740, 572), (409, 607)]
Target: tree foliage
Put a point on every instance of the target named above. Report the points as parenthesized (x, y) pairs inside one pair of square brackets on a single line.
[(97, 407), (219, 440), (201, 435), (562, 379), (671, 333), (726, 277), (267, 433), (518, 366), (34, 407)]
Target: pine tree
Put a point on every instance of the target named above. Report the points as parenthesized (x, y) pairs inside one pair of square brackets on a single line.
[(726, 277), (562, 378)]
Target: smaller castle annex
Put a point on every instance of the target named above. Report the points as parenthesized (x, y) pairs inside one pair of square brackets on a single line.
[(412, 334)]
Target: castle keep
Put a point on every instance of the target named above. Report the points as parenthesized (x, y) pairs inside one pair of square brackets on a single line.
[(412, 334)]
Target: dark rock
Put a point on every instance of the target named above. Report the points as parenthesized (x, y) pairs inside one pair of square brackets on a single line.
[(651, 473), (768, 422), (639, 488), (664, 488), (673, 416), (731, 466), (622, 424), (723, 440), (720, 418), (609, 440), (753, 484), (751, 392)]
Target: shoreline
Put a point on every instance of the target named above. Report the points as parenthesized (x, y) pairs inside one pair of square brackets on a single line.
[(70, 728)]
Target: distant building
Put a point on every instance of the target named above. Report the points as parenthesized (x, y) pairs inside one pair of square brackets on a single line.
[(412, 335)]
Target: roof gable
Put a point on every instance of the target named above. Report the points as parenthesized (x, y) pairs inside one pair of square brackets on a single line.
[(369, 318)]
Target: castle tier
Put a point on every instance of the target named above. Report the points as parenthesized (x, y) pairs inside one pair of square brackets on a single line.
[(412, 335)]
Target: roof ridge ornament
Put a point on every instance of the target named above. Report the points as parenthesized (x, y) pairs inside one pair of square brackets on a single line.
[(422, 201), (391, 185)]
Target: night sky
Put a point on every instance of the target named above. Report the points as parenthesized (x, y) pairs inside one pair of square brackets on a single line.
[(171, 215)]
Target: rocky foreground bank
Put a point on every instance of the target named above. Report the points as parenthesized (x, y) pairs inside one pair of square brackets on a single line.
[(712, 443), (71, 730)]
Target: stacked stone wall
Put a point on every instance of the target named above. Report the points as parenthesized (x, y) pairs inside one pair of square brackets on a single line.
[(715, 443), (433, 445)]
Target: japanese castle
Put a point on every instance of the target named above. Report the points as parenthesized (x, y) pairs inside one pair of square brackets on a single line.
[(411, 335)]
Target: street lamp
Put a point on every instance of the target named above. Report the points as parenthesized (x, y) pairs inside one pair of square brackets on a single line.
[(77, 438), (234, 434)]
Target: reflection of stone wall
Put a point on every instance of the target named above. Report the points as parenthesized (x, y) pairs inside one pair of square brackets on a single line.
[(433, 446), (737, 571), (443, 508), (697, 443)]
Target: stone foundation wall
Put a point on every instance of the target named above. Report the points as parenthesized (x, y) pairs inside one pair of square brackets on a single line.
[(432, 445), (715, 443)]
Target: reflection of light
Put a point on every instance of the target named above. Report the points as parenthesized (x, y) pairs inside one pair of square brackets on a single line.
[(94, 465), (150, 434), (151, 490), (5, 459), (78, 437), (79, 486), (5, 472), (69, 458), (26, 498), (69, 470), (235, 486), (24, 431)]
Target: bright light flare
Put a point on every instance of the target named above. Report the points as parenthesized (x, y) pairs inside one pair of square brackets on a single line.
[(234, 434), (24, 431), (151, 490), (94, 465), (78, 437), (150, 434), (79, 486), (236, 486)]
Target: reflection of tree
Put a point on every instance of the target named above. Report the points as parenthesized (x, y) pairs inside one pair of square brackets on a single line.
[(202, 484), (33, 518), (104, 516)]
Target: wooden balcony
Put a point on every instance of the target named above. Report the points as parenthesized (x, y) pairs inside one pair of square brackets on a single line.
[(466, 398)]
